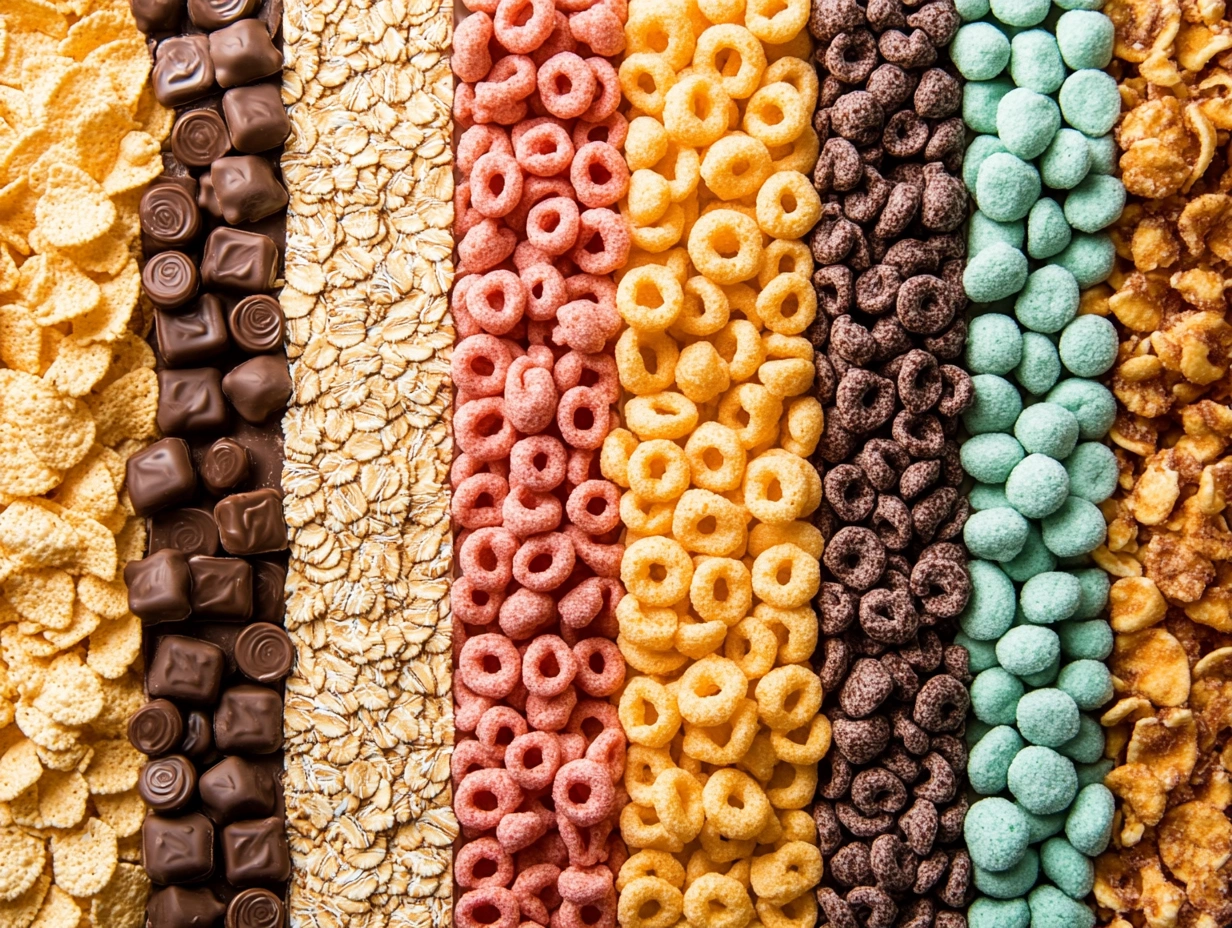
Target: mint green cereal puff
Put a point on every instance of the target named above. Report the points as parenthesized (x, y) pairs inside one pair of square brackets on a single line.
[(994, 696), (1076, 528), (1026, 123), (1026, 649), (1045, 677), (990, 759), (1047, 717), (1104, 154), (1040, 366), (971, 10), (1088, 683), (1035, 61), (1091, 403), (979, 108), (1043, 827), (1048, 301), (1091, 639), (1085, 39), (1047, 428), (1034, 558), (996, 406), (1090, 258), (1094, 772), (1095, 585), (1088, 745), (1089, 824), (1007, 186), (1067, 161), (982, 232), (980, 51), (989, 458), (1071, 870), (995, 534), (1088, 346), (981, 654), (987, 495), (1050, 597), (1051, 908), (1080, 4), (1021, 13), (994, 344), (1092, 470), (1090, 101), (975, 731), (990, 611), (996, 834), (1037, 486), (1095, 204), (980, 148), (998, 271), (1042, 780), (1048, 233), (1008, 884), (998, 913)]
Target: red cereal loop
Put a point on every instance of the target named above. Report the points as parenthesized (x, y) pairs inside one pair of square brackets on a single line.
[(583, 466), (497, 301), (532, 759), (608, 750), (581, 885), (511, 79), (579, 369), (469, 756), (529, 512), (485, 557), (548, 849), (538, 462), (591, 717), (482, 430), (606, 99), (594, 506), (566, 85), (600, 556), (525, 612), (603, 242), (477, 141), (535, 889), (484, 797), (496, 184), (585, 326), (483, 863), (599, 28), (486, 112), (587, 845), (465, 216), (572, 746), (464, 105), (519, 34), (536, 190), (530, 393), (614, 130), (489, 907), (499, 727), (583, 417), (477, 501), (548, 666), (465, 465), (601, 667), (543, 148), (473, 605), (481, 6), (470, 705), (561, 40), (545, 292), (551, 713), (598, 914), (599, 174), (593, 599), (490, 665), (479, 365), (544, 562), (485, 246), (471, 59), (552, 225)]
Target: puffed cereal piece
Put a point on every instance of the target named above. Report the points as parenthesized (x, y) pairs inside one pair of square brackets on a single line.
[(633, 350), (726, 744), (721, 590), (743, 64), (677, 799), (658, 471), (639, 894), (705, 309), (681, 166), (651, 863), (785, 576), (791, 871), (736, 166), (795, 685), (775, 22), (780, 487), (787, 205), (717, 458), (664, 415), (741, 347), (786, 377), (801, 912), (814, 746), (660, 235), (696, 640), (743, 818), (803, 424), (788, 304), (650, 197), (617, 446), (658, 571), (640, 828), (701, 373), (800, 533), (645, 660), (649, 298), (761, 410), (695, 110), (645, 79), (651, 627), (717, 901), (776, 114), (710, 691), (639, 694), (663, 29), (792, 786), (784, 257), (722, 11), (726, 232), (797, 71), (752, 645), (700, 864), (643, 517), (800, 154), (646, 142), (706, 523)]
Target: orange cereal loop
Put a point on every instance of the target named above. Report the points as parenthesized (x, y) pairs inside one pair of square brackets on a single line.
[(661, 27), (645, 699), (710, 691), (797, 71), (752, 646), (776, 114), (642, 768), (717, 901), (722, 11), (723, 744), (675, 260), (701, 372), (645, 660), (791, 871), (614, 456), (649, 627), (661, 415), (696, 111), (657, 571), (716, 457), (780, 487), (736, 166), (646, 142), (649, 298), (649, 196), (643, 517), (646, 361), (742, 304), (731, 54), (801, 912), (792, 786), (784, 257), (705, 309), (741, 347), (785, 576), (645, 79), (753, 412), (787, 205), (775, 21), (659, 235), (807, 744), (796, 630), (735, 804), (658, 471), (798, 47), (794, 686), (706, 523), (651, 863), (649, 902), (786, 377), (800, 533), (802, 426), (800, 154), (697, 640), (725, 246), (677, 799), (640, 828)]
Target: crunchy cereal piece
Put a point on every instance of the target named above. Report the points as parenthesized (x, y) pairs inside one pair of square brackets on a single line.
[(1151, 663), (121, 903), (22, 861), (84, 859)]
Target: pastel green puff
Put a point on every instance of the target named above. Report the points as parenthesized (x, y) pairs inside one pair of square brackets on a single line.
[(1035, 61), (1088, 346), (987, 495), (1089, 825), (1103, 154), (1071, 870), (1076, 528), (1040, 366), (1026, 649), (1091, 403), (975, 729), (990, 611), (1026, 123), (1093, 472), (998, 913), (982, 232), (1094, 772), (1090, 258), (1047, 717), (1085, 39), (1089, 100), (981, 654), (1008, 884), (980, 51), (1034, 558), (1007, 186), (1080, 4), (1067, 160), (994, 696), (995, 534), (1042, 780), (996, 406), (1088, 745), (1043, 826), (995, 273), (1047, 428), (979, 107), (1095, 204), (1050, 597), (1048, 301), (1088, 683), (1095, 587), (1045, 677), (989, 458), (990, 759), (1037, 486), (1090, 639), (994, 343), (1051, 908), (1021, 13), (996, 833), (980, 148), (971, 10), (1048, 233)]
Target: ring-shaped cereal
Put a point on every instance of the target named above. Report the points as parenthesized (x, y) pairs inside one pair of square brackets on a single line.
[(790, 871), (660, 415), (645, 79), (483, 854), (659, 29), (658, 471), (649, 298), (710, 690), (642, 517), (677, 798), (681, 166), (804, 745), (649, 197), (614, 456), (601, 668), (775, 22), (584, 417), (646, 626), (722, 591), (520, 35), (498, 727), (716, 457), (532, 759), (653, 894), (776, 114), (476, 142), (597, 371), (727, 744), (741, 69), (725, 246), (552, 227), (496, 184), (707, 523), (722, 11), (695, 111), (787, 205), (602, 109), (484, 797), (801, 912), (538, 462), (752, 646), (722, 849), (490, 665), (696, 640), (583, 792), (705, 308), (788, 697), (651, 863), (784, 257), (473, 605), (759, 409), (643, 766), (485, 558), (736, 166), (497, 301), (544, 148), (799, 72), (802, 426), (510, 81), (599, 174), (479, 365), (603, 242), (594, 506), (646, 142), (544, 562), (640, 828), (717, 901), (798, 638), (735, 804), (548, 666), (566, 85), (787, 377), (657, 571), (800, 154), (785, 576), (742, 304), (792, 786), (654, 663), (660, 235), (634, 349), (643, 693), (780, 487), (475, 908)]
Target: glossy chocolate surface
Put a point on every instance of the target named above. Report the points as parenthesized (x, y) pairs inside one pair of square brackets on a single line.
[(214, 14), (158, 587), (190, 531), (256, 118), (200, 137), (170, 279), (159, 476), (169, 215), (178, 850), (177, 907), (251, 523), (246, 188), (257, 324), (263, 652), (243, 53), (221, 588), (183, 70), (238, 261), (248, 720), (154, 16), (235, 789), (156, 728), (225, 466), (186, 669), (255, 908), (168, 784), (259, 387), (192, 337), (256, 851), (191, 401)]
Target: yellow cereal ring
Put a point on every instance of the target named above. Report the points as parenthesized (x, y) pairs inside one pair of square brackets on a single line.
[(649, 196), (731, 54), (752, 646), (797, 71), (800, 154), (678, 803), (795, 629), (722, 849), (787, 377), (802, 426), (784, 257), (797, 826), (721, 590), (646, 361), (775, 21), (787, 205), (646, 142), (642, 768), (650, 627), (705, 308), (752, 411), (741, 347), (642, 517), (658, 571), (736, 166), (787, 304), (649, 661), (706, 523), (716, 901), (772, 832), (722, 11), (801, 534), (649, 298), (641, 694), (696, 110), (804, 745), (701, 373), (788, 697), (657, 236), (784, 576), (645, 79), (716, 457), (725, 245), (723, 744), (659, 28), (801, 912), (681, 167), (659, 471), (791, 871), (710, 690), (759, 759), (780, 487), (780, 347), (799, 46), (776, 114), (661, 415), (792, 786), (640, 828), (647, 863), (736, 804), (614, 456), (700, 864), (697, 640), (675, 260), (742, 304)]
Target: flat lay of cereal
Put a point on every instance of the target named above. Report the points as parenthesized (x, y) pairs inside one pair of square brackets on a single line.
[(596, 463)]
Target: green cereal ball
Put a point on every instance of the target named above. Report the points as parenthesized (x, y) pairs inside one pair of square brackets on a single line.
[(1037, 486), (1104, 154), (1071, 870), (1048, 233), (1091, 403), (987, 495), (1080, 4), (1076, 528), (1026, 649), (1067, 161), (989, 458), (1035, 61), (1090, 640), (982, 232), (1021, 13), (995, 534), (971, 10), (1088, 745), (980, 51), (1040, 365), (980, 148), (1051, 908), (1047, 717), (1045, 677), (996, 833), (1090, 258), (979, 107), (1095, 204), (1048, 301), (994, 696), (1043, 827), (1047, 428), (1088, 346), (975, 731), (1008, 884), (1050, 597), (998, 913), (995, 273), (1088, 683), (1007, 186), (1095, 587), (980, 654), (1094, 772), (1090, 101), (1034, 558), (990, 759), (1042, 780), (994, 343), (1093, 472), (1026, 123), (996, 407), (990, 611), (1085, 39), (1089, 824)]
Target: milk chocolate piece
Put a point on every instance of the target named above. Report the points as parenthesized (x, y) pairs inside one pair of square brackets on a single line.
[(168, 784), (191, 401), (269, 592), (170, 279), (225, 466), (155, 16), (178, 850), (238, 261), (169, 215), (221, 588), (206, 198), (251, 523), (214, 14), (255, 908), (256, 118), (259, 387), (263, 652), (176, 907), (235, 789), (256, 851), (257, 324), (193, 337), (243, 53), (183, 70), (200, 137), (198, 740), (159, 476), (191, 531), (188, 669), (158, 587), (248, 720), (156, 728), (246, 188)]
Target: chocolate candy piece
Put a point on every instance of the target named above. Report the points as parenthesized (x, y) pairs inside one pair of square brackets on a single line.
[(263, 652), (251, 523), (206, 198), (187, 669), (170, 279), (178, 850), (237, 261), (169, 215), (214, 14), (195, 336), (256, 851), (199, 137), (256, 118), (198, 740), (248, 720), (176, 907), (183, 70), (221, 587), (156, 728), (159, 476), (191, 401), (243, 53), (155, 15), (158, 587), (235, 789), (259, 387), (257, 324), (255, 908), (246, 188), (168, 784), (269, 592), (191, 531), (225, 466)]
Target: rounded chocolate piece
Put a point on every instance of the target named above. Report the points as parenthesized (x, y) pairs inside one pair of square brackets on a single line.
[(198, 740), (257, 324), (168, 784), (170, 279), (155, 16), (199, 138), (192, 531), (255, 908), (156, 728), (264, 652), (169, 215), (225, 466), (214, 14)]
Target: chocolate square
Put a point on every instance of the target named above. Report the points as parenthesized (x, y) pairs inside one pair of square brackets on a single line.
[(248, 720), (178, 850), (194, 337), (251, 523), (158, 587), (269, 592), (186, 668), (156, 15), (214, 14), (221, 587), (183, 70), (243, 53), (238, 261), (161, 475), (237, 789), (191, 401), (190, 531), (256, 118), (246, 188), (177, 907), (259, 387), (256, 851)]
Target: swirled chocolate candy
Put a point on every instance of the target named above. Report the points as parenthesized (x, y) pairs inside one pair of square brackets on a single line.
[(259, 387), (246, 188), (191, 401), (159, 476), (257, 324), (158, 587), (214, 14), (221, 587), (251, 523), (269, 591), (235, 789), (193, 337), (263, 652), (256, 119), (187, 669), (248, 720), (199, 137), (255, 908), (168, 784), (198, 740), (238, 261), (169, 215), (243, 53), (256, 851), (178, 850), (225, 466), (154, 16), (191, 531), (170, 279), (183, 70), (156, 728), (176, 907)]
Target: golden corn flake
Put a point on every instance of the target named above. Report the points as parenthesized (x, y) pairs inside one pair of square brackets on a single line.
[(114, 647), (83, 625), (75, 758), (72, 693), (79, 365), (124, 812), (84, 860), (62, 798), (43, 730), (121, 903), (93, 31), (19, 769), (110, 600), (58, 911), (21, 911), (115, 767), (21, 863), (36, 537), (44, 596)]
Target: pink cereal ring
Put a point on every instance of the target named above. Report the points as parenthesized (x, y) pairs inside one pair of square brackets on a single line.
[(572, 746), (464, 105), (583, 416), (578, 369), (601, 667), (552, 225), (489, 907), (601, 557), (473, 605), (478, 500), (593, 598), (520, 33), (547, 849), (608, 750), (594, 506), (614, 130), (551, 713), (599, 914), (496, 184), (469, 706), (518, 831), (483, 863), (465, 465), (585, 326), (535, 889), (566, 85), (471, 59), (496, 111), (548, 666), (544, 149), (583, 466), (510, 80), (469, 756), (525, 612), (498, 727), (527, 512), (533, 759), (497, 301), (537, 189), (490, 665), (583, 793), (480, 364), (600, 29), (591, 718), (539, 333), (481, 6), (485, 246), (607, 92), (465, 216), (482, 429), (581, 885), (530, 396), (486, 558), (545, 292), (544, 562), (538, 462), (603, 242), (617, 852), (526, 256), (599, 175), (561, 39), (477, 141)]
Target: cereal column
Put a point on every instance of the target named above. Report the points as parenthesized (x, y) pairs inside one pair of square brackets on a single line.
[(541, 753), (1168, 548), (722, 709)]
